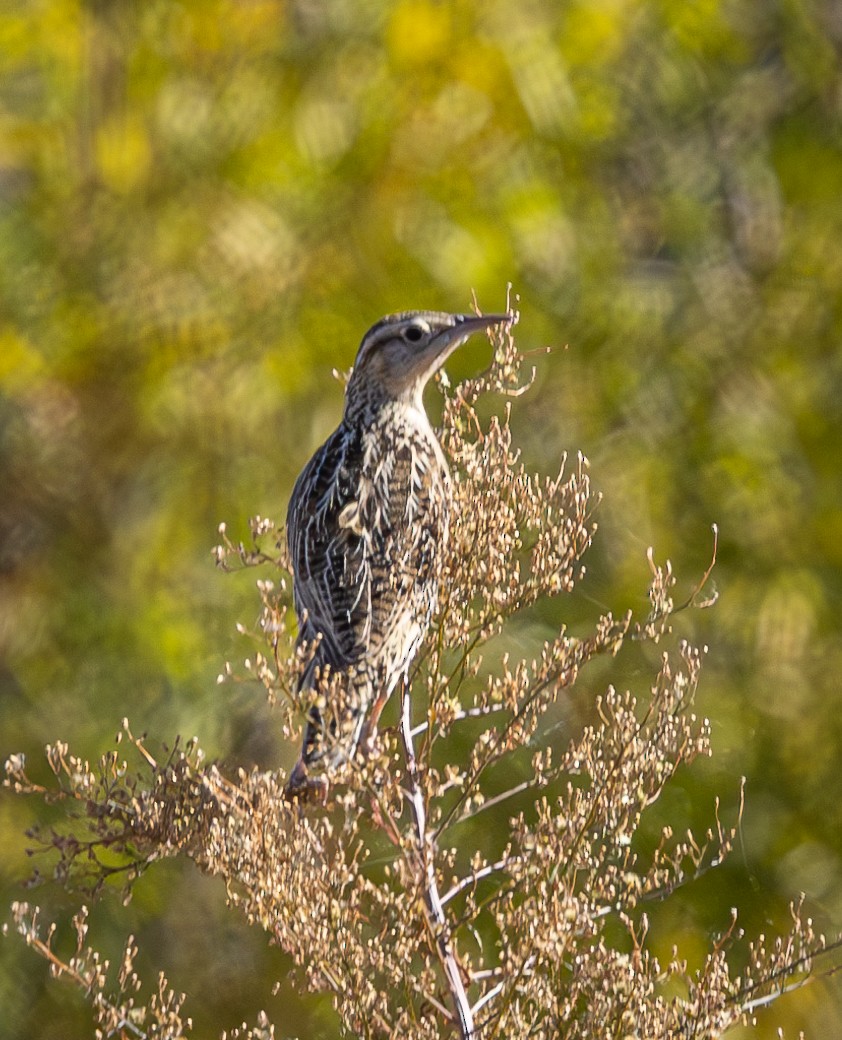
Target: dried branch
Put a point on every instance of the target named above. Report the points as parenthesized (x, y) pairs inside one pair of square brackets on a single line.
[(544, 932), (424, 852)]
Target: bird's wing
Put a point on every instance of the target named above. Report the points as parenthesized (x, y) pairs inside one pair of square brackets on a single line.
[(331, 562), (363, 529)]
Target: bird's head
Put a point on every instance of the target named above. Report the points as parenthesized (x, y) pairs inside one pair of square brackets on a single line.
[(399, 354)]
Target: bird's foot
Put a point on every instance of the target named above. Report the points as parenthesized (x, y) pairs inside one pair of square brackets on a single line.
[(302, 787)]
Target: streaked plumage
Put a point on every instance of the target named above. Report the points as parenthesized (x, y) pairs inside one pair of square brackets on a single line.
[(365, 522)]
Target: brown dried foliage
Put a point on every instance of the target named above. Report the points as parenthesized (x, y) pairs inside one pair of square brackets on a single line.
[(376, 897)]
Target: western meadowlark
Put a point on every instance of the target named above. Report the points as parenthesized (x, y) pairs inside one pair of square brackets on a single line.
[(366, 519)]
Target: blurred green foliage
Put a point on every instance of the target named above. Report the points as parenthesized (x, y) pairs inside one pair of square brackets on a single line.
[(203, 205)]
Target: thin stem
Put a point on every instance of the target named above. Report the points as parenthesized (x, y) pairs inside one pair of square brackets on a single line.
[(60, 967), (468, 713), (473, 878), (427, 870), (489, 803), (490, 995)]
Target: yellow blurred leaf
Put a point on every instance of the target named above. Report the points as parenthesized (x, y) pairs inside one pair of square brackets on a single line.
[(418, 32), (20, 363), (123, 154)]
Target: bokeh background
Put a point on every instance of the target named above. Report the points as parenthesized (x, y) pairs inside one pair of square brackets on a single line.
[(203, 205)]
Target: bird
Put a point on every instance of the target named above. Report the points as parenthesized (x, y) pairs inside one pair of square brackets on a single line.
[(366, 523)]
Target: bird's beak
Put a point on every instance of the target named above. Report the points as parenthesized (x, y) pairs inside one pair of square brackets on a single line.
[(465, 325)]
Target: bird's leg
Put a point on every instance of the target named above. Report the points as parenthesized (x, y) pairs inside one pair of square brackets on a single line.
[(302, 787), (368, 734)]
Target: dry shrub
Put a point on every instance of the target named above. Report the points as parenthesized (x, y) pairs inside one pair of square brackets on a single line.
[(546, 936)]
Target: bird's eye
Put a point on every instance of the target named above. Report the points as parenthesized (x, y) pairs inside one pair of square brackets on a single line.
[(413, 333)]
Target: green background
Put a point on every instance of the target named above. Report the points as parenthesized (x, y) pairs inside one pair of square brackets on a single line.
[(202, 208)]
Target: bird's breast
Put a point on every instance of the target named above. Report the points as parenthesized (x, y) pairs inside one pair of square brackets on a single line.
[(404, 476)]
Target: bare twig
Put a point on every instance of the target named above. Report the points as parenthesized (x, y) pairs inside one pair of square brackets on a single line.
[(425, 853), (473, 878)]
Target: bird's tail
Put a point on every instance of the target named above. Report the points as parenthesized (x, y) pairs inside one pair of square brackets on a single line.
[(339, 700)]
